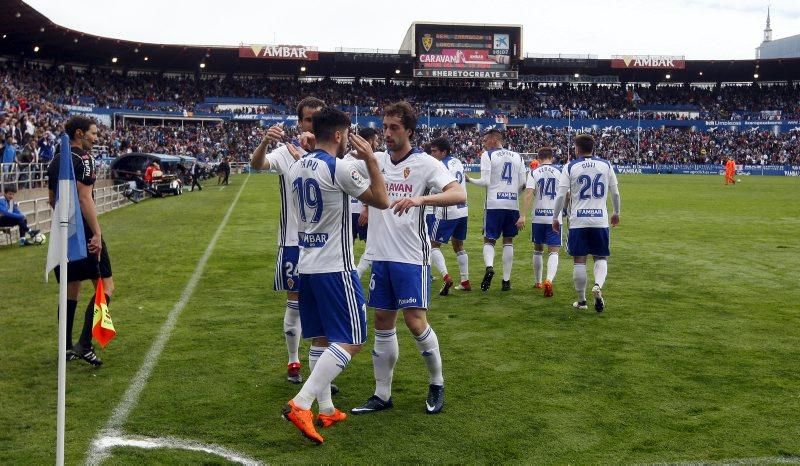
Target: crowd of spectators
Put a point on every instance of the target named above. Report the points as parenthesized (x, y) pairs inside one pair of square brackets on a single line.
[(32, 111), (662, 146), (165, 93)]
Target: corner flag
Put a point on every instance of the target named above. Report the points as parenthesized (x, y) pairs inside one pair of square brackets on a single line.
[(66, 219)]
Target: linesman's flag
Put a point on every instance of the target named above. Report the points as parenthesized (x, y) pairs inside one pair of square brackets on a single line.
[(102, 326)]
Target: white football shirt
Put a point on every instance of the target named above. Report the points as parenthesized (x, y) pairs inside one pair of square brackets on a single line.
[(589, 180), (322, 186), (404, 238), (280, 160), (544, 182), (507, 177), (456, 168)]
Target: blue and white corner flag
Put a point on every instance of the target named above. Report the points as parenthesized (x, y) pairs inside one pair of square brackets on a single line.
[(66, 218)]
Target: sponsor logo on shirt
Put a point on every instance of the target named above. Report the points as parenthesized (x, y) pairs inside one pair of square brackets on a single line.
[(399, 189), (543, 212), (313, 240), (587, 213), (507, 196)]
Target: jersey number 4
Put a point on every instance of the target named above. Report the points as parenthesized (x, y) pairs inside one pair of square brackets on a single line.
[(309, 195), (505, 175), (596, 186)]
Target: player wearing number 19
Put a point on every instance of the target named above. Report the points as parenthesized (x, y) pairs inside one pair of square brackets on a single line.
[(588, 180), (332, 308)]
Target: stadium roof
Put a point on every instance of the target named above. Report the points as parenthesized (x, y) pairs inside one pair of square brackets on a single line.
[(25, 28)]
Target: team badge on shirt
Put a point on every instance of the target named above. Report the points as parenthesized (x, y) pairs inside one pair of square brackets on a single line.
[(406, 172)]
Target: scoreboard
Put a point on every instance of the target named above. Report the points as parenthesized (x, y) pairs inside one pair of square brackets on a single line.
[(465, 51)]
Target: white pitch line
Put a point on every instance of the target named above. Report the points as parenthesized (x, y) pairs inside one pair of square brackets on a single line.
[(176, 444), (737, 461), (96, 452)]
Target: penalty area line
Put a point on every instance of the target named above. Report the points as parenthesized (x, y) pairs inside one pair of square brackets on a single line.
[(98, 450)]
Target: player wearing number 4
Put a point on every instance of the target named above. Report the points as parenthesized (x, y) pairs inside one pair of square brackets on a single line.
[(503, 174), (542, 182), (286, 275), (588, 180), (332, 308)]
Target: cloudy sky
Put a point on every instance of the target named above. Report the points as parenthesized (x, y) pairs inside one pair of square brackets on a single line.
[(698, 29)]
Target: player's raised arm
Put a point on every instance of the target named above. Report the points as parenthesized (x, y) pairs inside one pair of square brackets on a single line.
[(258, 159), (375, 195)]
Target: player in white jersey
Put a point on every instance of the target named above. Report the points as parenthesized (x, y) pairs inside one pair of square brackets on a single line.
[(359, 211), (332, 308), (503, 174), (286, 275), (542, 185), (451, 222), (588, 180), (399, 247)]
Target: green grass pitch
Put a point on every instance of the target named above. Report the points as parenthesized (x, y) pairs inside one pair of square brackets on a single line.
[(697, 357)]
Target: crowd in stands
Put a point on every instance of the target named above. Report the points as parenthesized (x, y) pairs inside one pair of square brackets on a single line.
[(32, 113), (102, 88)]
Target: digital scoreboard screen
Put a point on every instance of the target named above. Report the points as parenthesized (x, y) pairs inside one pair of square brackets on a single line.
[(466, 51)]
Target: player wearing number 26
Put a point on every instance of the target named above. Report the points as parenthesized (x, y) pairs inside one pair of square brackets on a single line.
[(589, 180)]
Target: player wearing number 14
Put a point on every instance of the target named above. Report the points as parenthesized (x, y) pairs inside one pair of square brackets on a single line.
[(589, 180)]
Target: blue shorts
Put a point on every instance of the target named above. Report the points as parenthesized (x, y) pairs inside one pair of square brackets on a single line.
[(332, 306), (500, 222), (430, 220), (396, 285), (286, 277), (443, 230), (588, 241), (542, 233), (359, 232)]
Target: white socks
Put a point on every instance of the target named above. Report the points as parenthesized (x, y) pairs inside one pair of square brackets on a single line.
[(363, 265), (579, 277), (428, 345), (600, 271), (537, 266), (292, 330), (488, 255), (437, 259), (384, 357), (463, 265), (324, 397), (552, 266), (508, 261), (330, 364)]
